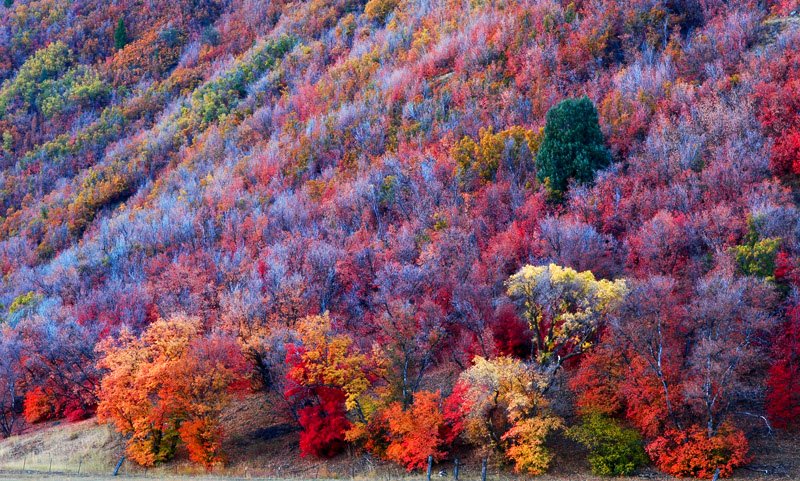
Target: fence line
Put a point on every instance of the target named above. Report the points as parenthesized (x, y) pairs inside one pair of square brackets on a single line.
[(124, 468)]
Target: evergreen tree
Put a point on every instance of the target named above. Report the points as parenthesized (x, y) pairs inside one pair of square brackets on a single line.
[(8, 3), (573, 146), (120, 35)]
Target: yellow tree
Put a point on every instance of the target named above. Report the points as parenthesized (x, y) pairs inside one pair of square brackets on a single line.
[(328, 359), (564, 309), (506, 412)]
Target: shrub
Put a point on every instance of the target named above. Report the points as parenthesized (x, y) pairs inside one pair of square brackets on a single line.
[(419, 431), (324, 424), (37, 406), (203, 438), (573, 146), (377, 10), (613, 449), (510, 149), (694, 453), (756, 256)]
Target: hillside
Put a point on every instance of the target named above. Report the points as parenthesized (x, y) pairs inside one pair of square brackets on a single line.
[(401, 229)]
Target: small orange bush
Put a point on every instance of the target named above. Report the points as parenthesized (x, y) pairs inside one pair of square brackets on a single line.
[(694, 453), (37, 406)]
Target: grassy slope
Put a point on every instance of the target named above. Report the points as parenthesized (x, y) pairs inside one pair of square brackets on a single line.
[(260, 448)]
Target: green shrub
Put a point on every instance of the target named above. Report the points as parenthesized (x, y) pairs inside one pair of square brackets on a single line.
[(756, 257), (613, 449), (573, 146)]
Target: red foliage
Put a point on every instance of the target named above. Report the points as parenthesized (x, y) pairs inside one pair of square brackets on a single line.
[(783, 379), (324, 424), (779, 101), (512, 337), (596, 382), (75, 411), (692, 452), (41, 404)]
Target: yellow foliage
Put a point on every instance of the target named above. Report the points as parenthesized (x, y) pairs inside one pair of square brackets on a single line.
[(484, 157), (527, 443), (563, 307), (379, 9), (331, 360)]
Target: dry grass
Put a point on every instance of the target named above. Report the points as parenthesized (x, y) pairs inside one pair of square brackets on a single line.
[(62, 448)]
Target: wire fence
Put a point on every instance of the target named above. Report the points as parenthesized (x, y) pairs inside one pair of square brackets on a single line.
[(88, 466)]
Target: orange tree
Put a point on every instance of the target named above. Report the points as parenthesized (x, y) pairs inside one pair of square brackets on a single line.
[(168, 385)]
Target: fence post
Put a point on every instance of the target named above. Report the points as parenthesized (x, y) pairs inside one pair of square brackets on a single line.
[(430, 466), (483, 470), (24, 462), (50, 468), (80, 463), (119, 465), (455, 470)]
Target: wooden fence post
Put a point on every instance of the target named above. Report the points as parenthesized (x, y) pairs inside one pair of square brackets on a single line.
[(119, 465), (455, 470), (430, 466), (483, 470)]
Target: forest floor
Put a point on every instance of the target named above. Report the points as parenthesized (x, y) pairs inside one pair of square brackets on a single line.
[(260, 448)]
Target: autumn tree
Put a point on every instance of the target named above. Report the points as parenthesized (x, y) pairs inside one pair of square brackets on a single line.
[(783, 377), (506, 413), (783, 380), (329, 378), (509, 151), (426, 428), (60, 362), (409, 334), (684, 368), (564, 309), (169, 384), (11, 380), (573, 146)]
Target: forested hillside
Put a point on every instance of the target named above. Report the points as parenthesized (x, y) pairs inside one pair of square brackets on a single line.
[(413, 227)]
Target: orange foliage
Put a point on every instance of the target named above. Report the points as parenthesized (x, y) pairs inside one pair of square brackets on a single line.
[(692, 452), (168, 385), (37, 406), (419, 431)]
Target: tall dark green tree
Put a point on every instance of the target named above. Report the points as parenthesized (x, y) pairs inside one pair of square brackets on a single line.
[(8, 3), (120, 35), (573, 145)]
